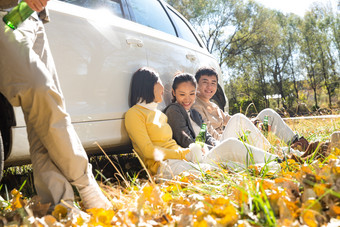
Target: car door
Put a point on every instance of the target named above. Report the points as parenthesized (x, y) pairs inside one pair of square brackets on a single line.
[(172, 45), (165, 51), (96, 52)]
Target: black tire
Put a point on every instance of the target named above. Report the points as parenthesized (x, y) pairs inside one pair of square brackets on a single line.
[(219, 98), (1, 157)]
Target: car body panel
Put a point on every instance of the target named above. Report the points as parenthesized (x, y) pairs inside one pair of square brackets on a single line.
[(96, 54)]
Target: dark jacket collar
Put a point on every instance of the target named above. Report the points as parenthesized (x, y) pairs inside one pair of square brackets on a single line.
[(193, 113)]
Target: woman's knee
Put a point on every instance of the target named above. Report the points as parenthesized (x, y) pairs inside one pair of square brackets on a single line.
[(239, 115), (231, 143), (236, 118), (267, 111)]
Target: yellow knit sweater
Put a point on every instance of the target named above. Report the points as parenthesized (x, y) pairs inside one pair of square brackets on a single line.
[(151, 137)]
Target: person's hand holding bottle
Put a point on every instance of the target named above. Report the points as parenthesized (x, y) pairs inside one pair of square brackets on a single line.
[(37, 5)]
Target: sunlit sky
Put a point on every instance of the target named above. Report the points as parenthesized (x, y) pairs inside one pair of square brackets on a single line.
[(298, 7)]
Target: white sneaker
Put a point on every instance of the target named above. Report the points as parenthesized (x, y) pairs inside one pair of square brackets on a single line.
[(93, 197)]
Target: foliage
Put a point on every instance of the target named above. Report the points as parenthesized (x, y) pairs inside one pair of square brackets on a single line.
[(264, 52), (298, 194)]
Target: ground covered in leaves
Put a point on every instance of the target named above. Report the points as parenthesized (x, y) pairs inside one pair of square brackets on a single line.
[(299, 194)]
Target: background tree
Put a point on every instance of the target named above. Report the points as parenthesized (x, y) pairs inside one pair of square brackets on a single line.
[(326, 56), (294, 69), (264, 53)]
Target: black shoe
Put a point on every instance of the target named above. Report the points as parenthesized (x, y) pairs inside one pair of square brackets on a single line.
[(278, 160)]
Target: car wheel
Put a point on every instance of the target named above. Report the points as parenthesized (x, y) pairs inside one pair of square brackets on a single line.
[(1, 157), (220, 99)]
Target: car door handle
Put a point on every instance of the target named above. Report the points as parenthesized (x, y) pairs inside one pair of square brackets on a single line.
[(134, 41), (191, 57)]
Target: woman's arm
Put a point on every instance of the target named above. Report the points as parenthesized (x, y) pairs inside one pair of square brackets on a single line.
[(135, 124), (177, 120)]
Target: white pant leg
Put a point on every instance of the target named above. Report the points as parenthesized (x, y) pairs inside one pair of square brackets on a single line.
[(172, 167), (289, 150), (231, 152), (234, 150), (238, 124), (27, 80), (278, 126)]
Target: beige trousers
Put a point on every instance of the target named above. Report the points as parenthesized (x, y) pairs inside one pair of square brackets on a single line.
[(28, 79)]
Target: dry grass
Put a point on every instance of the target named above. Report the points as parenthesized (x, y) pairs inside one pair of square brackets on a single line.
[(297, 195), (315, 129)]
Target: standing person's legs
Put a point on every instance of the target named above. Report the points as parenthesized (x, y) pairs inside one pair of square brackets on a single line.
[(51, 185), (234, 150), (278, 126), (239, 124), (46, 174), (56, 151)]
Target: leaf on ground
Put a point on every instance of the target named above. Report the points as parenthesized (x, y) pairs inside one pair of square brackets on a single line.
[(312, 218), (47, 220), (39, 209), (100, 217), (59, 212), (17, 200), (287, 209)]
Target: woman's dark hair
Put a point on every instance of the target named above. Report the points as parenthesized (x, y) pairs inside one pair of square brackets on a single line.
[(181, 78), (142, 86), (208, 71)]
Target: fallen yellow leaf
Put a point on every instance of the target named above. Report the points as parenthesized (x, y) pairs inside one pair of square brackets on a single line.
[(59, 212), (308, 217), (100, 217), (167, 197)]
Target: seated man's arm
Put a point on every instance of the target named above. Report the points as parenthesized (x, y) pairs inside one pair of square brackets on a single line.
[(205, 117)]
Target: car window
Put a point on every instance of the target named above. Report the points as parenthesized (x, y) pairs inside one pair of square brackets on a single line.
[(183, 29), (114, 6), (151, 13)]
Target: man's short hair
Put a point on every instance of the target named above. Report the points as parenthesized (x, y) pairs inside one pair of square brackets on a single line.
[(208, 71)]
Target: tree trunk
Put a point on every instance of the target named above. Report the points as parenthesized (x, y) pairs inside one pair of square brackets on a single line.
[(315, 99), (325, 76)]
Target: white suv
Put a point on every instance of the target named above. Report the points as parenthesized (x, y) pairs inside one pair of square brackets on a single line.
[(97, 45)]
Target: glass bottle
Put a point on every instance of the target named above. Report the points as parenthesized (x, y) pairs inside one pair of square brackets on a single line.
[(265, 125), (17, 15), (200, 138), (245, 135)]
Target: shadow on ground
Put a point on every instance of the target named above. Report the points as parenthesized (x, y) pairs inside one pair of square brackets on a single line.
[(128, 165)]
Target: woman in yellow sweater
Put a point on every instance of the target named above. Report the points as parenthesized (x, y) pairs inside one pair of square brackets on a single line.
[(151, 135), (149, 131)]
